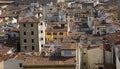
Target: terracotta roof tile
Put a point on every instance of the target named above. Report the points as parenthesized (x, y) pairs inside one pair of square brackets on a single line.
[(69, 45), (57, 30), (12, 55), (8, 15), (43, 61), (2, 2), (23, 14), (29, 20), (14, 30)]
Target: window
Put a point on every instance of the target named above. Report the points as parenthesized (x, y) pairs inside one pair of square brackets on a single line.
[(54, 38), (41, 38), (48, 33), (31, 25), (24, 33), (84, 53), (24, 25), (25, 47), (84, 64), (98, 28), (50, 9), (14, 35), (54, 33), (32, 33), (41, 23), (61, 39), (42, 45), (32, 40), (89, 19), (100, 67), (67, 53), (93, 42), (20, 65), (25, 41), (61, 33), (41, 31), (33, 48)]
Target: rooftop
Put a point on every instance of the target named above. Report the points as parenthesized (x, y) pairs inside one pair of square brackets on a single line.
[(68, 45), (49, 61), (29, 20)]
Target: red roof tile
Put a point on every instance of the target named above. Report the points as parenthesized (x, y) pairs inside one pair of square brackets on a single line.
[(43, 61)]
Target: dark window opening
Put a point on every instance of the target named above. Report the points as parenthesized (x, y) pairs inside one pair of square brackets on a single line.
[(50, 9), (33, 48), (41, 23), (41, 38), (100, 67), (24, 25), (84, 64), (20, 65), (84, 53), (48, 33), (61, 33), (25, 47), (31, 25), (24, 33), (42, 45), (32, 40), (55, 38), (41, 31), (54, 33), (98, 28), (14, 35), (32, 33), (25, 41)]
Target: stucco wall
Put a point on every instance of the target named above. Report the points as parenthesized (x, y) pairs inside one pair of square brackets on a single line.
[(13, 63), (1, 65), (94, 56), (28, 37)]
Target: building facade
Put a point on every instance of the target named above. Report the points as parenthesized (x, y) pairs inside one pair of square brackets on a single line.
[(32, 34), (12, 63)]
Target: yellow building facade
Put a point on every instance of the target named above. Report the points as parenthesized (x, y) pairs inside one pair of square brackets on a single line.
[(57, 34)]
